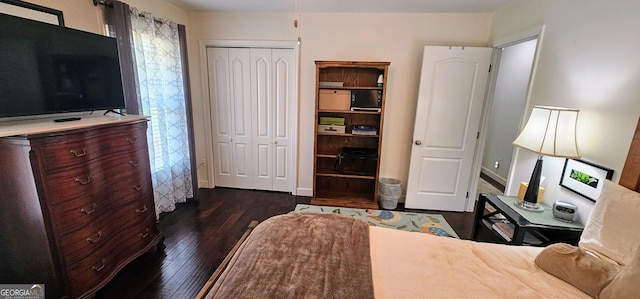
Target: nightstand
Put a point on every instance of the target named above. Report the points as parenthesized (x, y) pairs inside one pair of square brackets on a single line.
[(514, 226)]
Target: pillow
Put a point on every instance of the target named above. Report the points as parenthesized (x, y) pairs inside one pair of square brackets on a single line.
[(612, 228), (626, 283), (577, 267)]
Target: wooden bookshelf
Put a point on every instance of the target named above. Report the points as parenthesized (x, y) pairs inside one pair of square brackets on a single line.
[(354, 183)]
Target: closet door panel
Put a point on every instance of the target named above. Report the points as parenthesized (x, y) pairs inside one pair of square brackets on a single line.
[(240, 82), (263, 162), (284, 97), (218, 67), (230, 94), (262, 94)]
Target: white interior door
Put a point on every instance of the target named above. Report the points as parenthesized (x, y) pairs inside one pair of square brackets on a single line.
[(230, 87), (253, 94), (450, 100)]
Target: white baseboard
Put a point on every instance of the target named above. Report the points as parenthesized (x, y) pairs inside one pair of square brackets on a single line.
[(494, 176), (304, 192), (204, 184)]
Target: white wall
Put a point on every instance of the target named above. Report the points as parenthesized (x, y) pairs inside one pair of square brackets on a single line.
[(588, 60), (78, 14), (398, 38), (83, 15)]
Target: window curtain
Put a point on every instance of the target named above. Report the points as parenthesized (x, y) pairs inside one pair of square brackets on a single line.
[(158, 70)]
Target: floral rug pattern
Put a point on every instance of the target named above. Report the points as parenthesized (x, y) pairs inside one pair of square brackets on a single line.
[(408, 221)]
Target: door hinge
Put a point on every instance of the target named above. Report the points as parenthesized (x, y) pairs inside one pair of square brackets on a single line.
[(467, 194), (490, 68), (478, 136)]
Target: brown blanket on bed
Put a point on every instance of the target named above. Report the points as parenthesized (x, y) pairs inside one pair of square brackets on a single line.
[(301, 256)]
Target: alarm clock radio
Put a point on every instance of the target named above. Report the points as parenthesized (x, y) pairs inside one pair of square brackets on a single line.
[(564, 211)]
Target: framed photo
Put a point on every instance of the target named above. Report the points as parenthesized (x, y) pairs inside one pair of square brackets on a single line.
[(31, 11), (584, 178)]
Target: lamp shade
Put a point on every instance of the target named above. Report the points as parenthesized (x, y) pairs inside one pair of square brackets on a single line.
[(550, 131)]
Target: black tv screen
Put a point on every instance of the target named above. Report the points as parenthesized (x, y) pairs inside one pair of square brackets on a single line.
[(46, 68)]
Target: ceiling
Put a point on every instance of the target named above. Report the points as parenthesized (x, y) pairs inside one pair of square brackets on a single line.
[(394, 6)]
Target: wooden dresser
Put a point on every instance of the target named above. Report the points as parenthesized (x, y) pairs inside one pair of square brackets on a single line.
[(76, 206)]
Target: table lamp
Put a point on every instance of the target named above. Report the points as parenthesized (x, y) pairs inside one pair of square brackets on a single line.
[(550, 131)]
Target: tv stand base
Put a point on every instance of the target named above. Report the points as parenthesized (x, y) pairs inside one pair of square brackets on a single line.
[(60, 120), (112, 111)]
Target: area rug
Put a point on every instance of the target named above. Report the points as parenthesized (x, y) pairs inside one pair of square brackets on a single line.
[(414, 222)]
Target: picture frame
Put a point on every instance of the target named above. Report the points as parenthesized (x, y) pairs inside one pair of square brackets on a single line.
[(32, 11), (584, 178)]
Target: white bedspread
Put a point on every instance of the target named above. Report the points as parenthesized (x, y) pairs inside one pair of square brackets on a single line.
[(414, 265)]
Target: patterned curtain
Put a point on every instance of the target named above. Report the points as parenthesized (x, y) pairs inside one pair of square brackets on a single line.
[(156, 48)]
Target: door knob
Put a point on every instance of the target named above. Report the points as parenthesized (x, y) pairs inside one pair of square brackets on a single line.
[(418, 142)]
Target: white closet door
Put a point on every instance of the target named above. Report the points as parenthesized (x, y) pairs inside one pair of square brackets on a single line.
[(229, 83), (284, 97), (253, 96), (263, 117)]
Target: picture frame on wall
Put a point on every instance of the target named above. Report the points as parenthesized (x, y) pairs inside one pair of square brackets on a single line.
[(584, 178), (32, 11)]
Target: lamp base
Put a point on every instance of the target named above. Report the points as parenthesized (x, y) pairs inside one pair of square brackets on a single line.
[(531, 207)]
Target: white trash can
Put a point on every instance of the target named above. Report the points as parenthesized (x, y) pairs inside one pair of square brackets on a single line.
[(389, 191)]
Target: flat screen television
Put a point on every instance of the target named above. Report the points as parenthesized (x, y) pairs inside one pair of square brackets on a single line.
[(46, 69)]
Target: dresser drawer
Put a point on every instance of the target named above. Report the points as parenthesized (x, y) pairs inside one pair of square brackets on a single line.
[(95, 234), (139, 238), (89, 271), (84, 242), (76, 149), (86, 180), (77, 213), (129, 172), (115, 176), (105, 230)]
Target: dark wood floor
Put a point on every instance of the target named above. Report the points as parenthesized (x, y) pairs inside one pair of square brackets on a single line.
[(200, 233)]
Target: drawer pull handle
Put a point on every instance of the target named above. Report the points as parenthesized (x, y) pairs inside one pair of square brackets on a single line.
[(96, 238), (87, 181), (132, 140), (87, 212), (134, 163), (98, 269), (137, 187), (76, 154), (144, 209), (145, 234)]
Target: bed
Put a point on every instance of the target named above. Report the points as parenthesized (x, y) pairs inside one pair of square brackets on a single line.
[(333, 256)]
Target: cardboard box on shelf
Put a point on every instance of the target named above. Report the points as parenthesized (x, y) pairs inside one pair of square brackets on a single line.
[(336, 121), (334, 99), (331, 129)]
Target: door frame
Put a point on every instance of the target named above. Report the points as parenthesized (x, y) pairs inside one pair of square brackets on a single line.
[(537, 32), (293, 111)]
